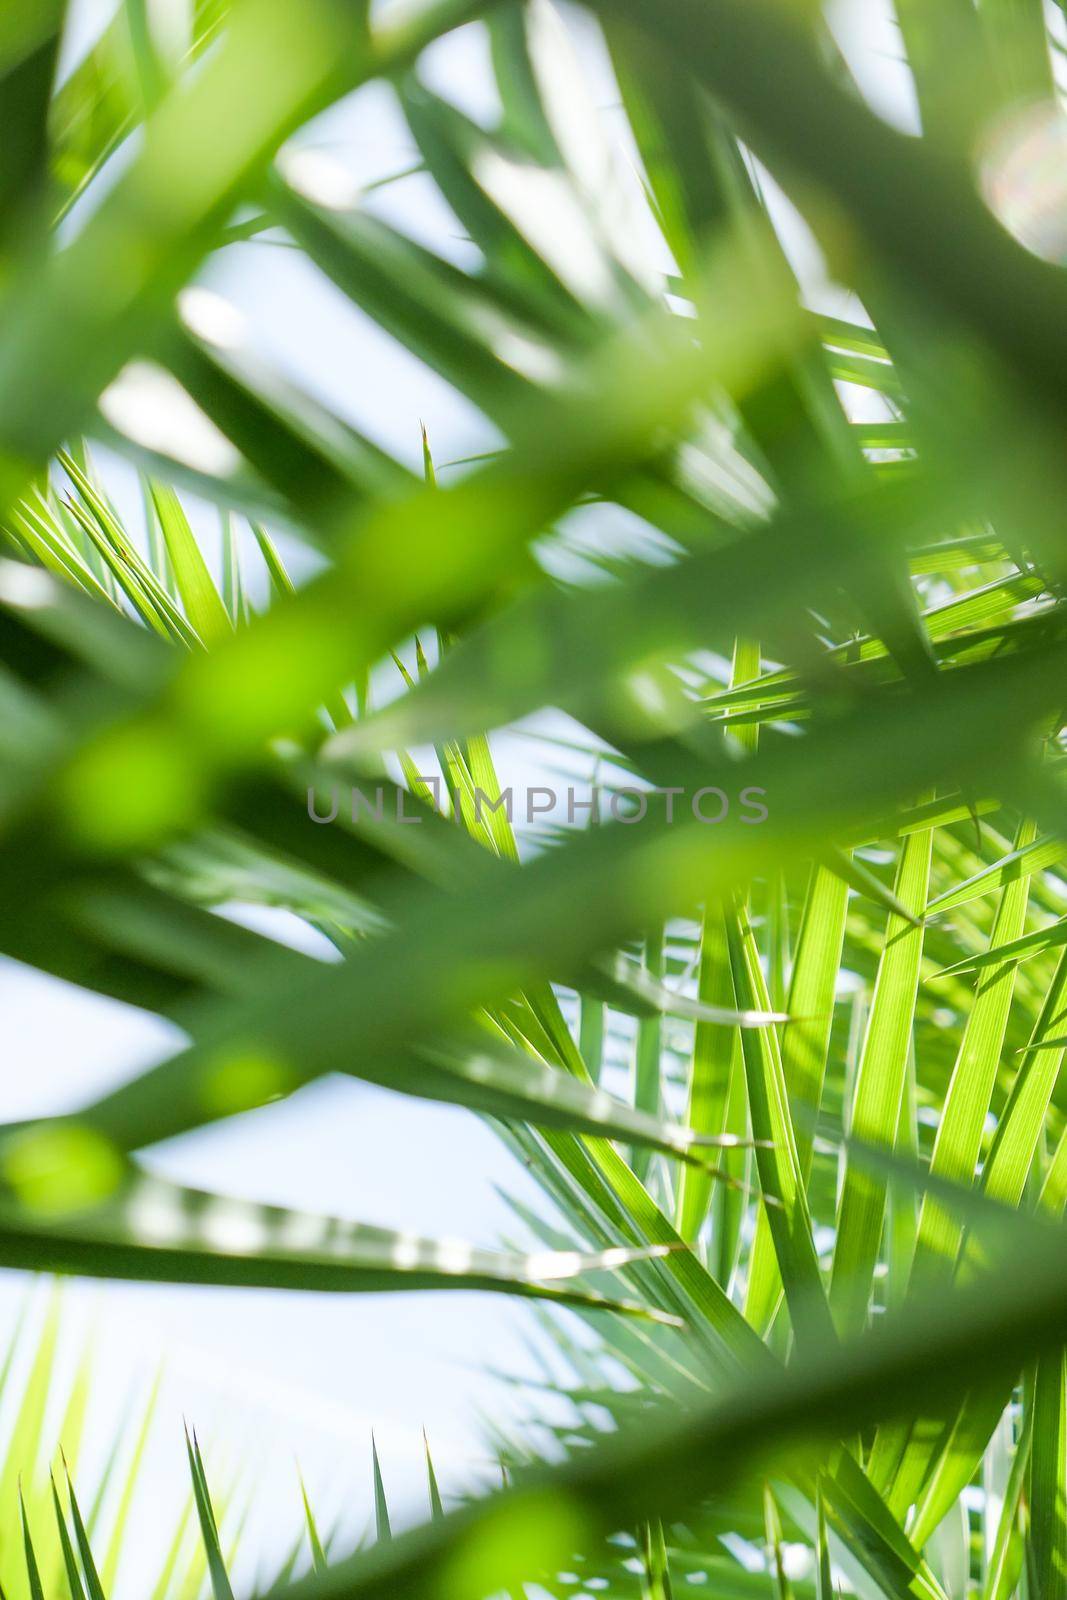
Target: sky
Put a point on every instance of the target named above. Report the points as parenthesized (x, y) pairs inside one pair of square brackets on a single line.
[(267, 1377)]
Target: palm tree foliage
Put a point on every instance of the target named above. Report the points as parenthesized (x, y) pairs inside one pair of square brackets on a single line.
[(49, 1538), (792, 1088)]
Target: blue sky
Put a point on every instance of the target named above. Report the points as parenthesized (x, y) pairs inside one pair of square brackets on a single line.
[(267, 1377)]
